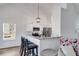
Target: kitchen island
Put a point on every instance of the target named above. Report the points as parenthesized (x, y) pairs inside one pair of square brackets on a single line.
[(44, 42)]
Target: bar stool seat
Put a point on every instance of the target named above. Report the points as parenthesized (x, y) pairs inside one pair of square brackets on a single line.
[(30, 42), (30, 46)]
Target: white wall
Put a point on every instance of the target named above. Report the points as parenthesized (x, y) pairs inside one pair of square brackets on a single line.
[(68, 22), (77, 26)]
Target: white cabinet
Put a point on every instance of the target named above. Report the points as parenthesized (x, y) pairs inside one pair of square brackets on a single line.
[(49, 44)]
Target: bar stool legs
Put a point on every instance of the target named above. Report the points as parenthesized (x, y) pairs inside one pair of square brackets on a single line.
[(37, 51), (33, 52), (21, 51)]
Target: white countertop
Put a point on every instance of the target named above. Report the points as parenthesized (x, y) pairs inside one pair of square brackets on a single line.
[(42, 37)]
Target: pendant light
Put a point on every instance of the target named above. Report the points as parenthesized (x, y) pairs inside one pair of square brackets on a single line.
[(38, 18)]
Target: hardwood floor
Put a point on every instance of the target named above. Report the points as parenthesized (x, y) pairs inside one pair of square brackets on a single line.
[(13, 51)]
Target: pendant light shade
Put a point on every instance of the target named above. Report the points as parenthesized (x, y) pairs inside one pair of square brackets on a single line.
[(38, 18)]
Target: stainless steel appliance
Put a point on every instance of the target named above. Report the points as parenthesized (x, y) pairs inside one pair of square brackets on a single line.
[(47, 31), (36, 31)]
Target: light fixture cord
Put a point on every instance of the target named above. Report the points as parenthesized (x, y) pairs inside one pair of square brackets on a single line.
[(38, 10)]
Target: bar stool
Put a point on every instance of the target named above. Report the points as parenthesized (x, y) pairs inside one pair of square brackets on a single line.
[(30, 48), (23, 45)]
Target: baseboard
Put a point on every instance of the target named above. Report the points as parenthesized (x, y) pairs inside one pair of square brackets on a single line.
[(9, 47)]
